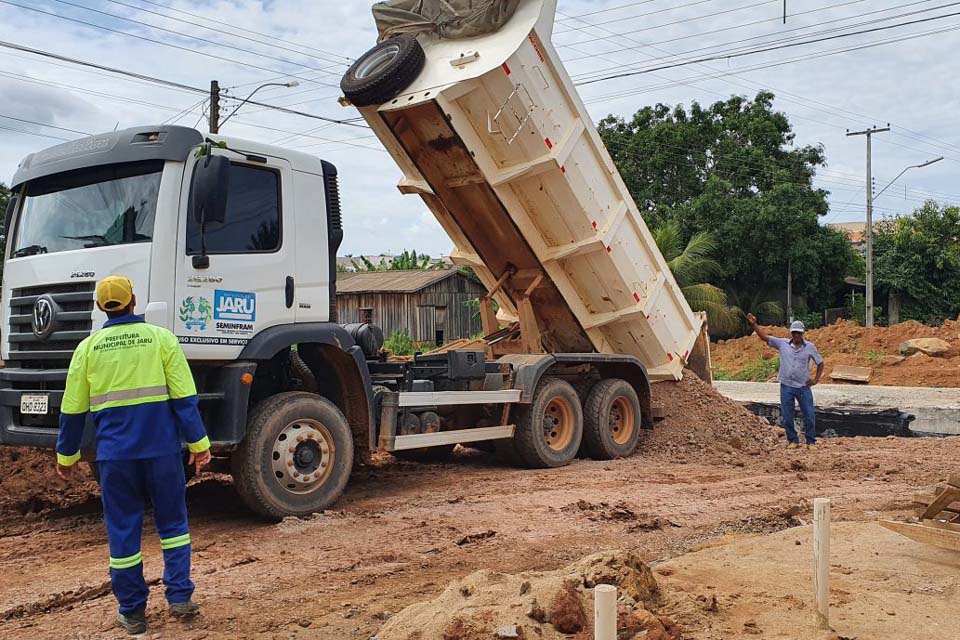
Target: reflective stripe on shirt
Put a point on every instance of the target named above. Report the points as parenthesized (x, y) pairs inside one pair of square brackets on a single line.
[(129, 394)]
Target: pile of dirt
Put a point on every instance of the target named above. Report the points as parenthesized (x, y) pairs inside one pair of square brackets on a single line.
[(700, 421), (549, 605), (847, 343), (29, 482)]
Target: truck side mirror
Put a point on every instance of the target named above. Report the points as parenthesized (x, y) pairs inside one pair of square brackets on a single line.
[(208, 189)]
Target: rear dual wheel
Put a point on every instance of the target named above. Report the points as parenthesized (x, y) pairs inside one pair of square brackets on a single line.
[(550, 429), (611, 420)]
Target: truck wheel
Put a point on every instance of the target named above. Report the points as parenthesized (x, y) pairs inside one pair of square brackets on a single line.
[(296, 457), (611, 419), (384, 71), (550, 429)]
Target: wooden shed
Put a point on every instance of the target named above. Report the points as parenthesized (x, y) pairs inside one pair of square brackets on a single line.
[(433, 305)]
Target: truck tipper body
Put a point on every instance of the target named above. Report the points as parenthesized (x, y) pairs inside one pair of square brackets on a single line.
[(494, 137), (231, 245)]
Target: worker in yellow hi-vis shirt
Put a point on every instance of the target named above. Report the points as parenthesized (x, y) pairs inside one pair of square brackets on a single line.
[(133, 379)]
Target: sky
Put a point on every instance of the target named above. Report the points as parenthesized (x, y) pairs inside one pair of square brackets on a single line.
[(909, 83)]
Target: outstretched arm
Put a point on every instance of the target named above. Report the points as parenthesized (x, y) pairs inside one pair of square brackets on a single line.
[(752, 319)]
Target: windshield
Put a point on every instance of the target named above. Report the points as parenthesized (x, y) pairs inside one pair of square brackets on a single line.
[(93, 207)]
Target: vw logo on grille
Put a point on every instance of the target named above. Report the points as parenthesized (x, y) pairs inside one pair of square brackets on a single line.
[(44, 317)]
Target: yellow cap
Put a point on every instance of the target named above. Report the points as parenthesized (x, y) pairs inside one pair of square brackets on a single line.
[(114, 293)]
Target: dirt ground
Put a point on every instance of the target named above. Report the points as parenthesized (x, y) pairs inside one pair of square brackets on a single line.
[(403, 531), (882, 585), (847, 343)]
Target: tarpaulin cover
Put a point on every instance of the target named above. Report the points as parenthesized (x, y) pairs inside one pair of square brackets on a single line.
[(447, 18)]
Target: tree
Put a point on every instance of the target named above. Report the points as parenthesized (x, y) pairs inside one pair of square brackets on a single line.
[(4, 201), (918, 257), (733, 169), (4, 197), (692, 267), (406, 261)]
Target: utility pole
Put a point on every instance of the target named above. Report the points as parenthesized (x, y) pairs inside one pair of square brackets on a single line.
[(789, 290), (214, 106), (868, 231)]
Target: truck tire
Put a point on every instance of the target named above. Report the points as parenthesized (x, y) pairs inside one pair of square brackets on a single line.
[(296, 457), (550, 429), (384, 71), (611, 420)]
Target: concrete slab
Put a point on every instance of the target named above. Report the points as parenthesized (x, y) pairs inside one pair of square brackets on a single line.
[(937, 409)]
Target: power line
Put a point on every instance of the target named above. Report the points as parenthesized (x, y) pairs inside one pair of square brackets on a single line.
[(190, 36), (701, 34), (169, 83), (676, 22), (159, 42), (348, 60), (225, 32), (778, 35), (43, 124), (823, 54), (728, 55), (629, 5), (34, 133)]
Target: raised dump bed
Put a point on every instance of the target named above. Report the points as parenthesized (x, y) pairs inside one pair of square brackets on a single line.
[(494, 137)]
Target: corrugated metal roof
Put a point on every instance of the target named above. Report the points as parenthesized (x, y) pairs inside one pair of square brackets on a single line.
[(390, 281)]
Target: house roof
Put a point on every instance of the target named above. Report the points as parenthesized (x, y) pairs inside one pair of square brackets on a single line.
[(391, 281)]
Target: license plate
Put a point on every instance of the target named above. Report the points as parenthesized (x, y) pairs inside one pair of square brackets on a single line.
[(34, 403)]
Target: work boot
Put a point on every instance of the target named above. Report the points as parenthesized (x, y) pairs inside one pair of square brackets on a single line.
[(186, 609), (811, 447), (134, 623), (793, 445)]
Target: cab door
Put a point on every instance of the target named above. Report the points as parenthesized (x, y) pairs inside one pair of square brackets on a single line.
[(245, 282)]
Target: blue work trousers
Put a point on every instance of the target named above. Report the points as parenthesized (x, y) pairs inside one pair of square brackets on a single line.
[(126, 485), (789, 398)]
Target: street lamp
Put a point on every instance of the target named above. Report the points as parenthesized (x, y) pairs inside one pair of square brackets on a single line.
[(291, 84), (913, 166), (868, 319)]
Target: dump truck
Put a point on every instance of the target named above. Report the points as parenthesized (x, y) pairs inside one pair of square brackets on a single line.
[(232, 244)]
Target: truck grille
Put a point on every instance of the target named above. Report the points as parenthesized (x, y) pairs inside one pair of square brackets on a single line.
[(73, 324)]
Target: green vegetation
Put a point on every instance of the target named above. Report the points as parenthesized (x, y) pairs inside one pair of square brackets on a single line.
[(733, 169), (858, 310), (399, 343), (721, 374), (693, 267), (758, 370), (406, 261), (918, 256), (810, 319)]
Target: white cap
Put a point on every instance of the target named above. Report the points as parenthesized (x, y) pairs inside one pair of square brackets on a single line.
[(796, 325)]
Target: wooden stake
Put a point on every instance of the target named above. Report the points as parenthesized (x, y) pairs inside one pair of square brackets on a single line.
[(605, 612), (821, 559)]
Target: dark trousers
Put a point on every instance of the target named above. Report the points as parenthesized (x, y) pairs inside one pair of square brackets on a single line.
[(789, 398), (125, 486)]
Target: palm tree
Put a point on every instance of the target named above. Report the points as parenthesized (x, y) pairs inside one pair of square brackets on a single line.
[(692, 267)]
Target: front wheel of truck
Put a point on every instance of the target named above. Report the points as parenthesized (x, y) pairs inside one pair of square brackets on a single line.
[(296, 457)]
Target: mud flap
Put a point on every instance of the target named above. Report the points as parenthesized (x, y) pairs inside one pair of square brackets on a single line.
[(699, 360)]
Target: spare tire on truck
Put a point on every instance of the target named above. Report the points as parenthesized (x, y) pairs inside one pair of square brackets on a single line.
[(296, 457), (384, 71)]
